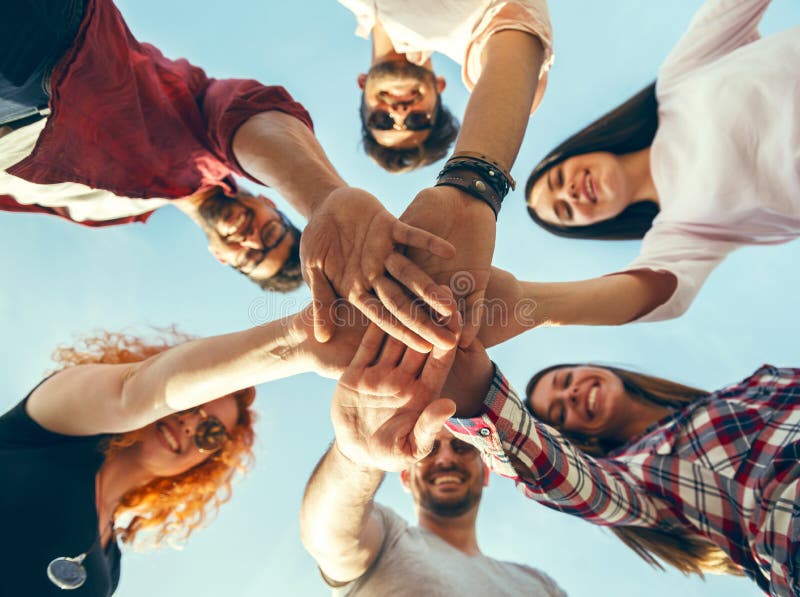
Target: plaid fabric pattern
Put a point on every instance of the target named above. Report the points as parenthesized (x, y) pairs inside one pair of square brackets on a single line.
[(727, 467)]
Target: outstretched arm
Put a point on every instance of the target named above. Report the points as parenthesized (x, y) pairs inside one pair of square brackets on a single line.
[(494, 125), (386, 412), (100, 398), (337, 525), (349, 237), (514, 307)]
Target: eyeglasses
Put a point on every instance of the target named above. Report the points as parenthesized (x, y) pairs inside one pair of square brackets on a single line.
[(210, 434), (252, 258), (416, 120)]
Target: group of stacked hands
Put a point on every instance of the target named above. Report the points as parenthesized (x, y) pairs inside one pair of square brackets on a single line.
[(101, 129)]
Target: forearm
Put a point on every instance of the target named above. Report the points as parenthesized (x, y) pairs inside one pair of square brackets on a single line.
[(499, 107), (610, 300), (548, 467), (509, 312), (205, 369), (336, 523), (283, 153)]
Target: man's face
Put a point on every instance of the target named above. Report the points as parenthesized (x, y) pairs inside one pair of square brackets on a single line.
[(400, 101), (247, 233), (450, 480)]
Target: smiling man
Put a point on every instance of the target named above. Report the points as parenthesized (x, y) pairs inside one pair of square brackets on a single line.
[(387, 414), (101, 129), (404, 123)]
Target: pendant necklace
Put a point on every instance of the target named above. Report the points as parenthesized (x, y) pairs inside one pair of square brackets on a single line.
[(69, 573)]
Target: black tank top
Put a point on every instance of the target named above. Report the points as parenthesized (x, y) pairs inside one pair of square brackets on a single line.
[(47, 505)]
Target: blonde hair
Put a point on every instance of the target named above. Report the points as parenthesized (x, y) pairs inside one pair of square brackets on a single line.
[(168, 509), (691, 554)]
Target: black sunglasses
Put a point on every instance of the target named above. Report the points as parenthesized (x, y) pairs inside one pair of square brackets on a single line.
[(381, 120)]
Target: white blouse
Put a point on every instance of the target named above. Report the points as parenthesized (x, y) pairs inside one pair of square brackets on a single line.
[(726, 158)]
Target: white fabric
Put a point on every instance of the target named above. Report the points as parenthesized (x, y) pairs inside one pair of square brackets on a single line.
[(82, 202), (458, 29), (414, 562), (726, 158)]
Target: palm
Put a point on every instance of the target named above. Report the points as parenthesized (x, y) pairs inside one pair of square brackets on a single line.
[(386, 411), (345, 249), (469, 226)]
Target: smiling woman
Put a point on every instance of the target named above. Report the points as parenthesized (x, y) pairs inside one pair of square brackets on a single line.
[(703, 481), (136, 441), (694, 177), (79, 490)]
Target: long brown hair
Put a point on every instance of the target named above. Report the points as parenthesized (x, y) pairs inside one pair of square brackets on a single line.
[(691, 554), (627, 128), (168, 509)]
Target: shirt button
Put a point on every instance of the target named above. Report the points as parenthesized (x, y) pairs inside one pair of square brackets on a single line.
[(484, 431)]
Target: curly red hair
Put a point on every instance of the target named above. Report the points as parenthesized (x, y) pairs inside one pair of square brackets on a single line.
[(168, 509)]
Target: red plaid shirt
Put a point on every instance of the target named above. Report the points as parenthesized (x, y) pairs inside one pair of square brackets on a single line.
[(726, 467), (127, 120)]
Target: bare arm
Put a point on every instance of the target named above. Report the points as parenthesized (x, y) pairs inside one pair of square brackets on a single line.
[(386, 412), (91, 399), (337, 525), (494, 124), (283, 153), (499, 107), (609, 300)]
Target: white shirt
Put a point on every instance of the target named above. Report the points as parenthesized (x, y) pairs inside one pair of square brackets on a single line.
[(726, 157), (458, 29), (82, 202)]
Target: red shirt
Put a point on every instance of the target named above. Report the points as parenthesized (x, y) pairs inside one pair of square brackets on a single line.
[(128, 120)]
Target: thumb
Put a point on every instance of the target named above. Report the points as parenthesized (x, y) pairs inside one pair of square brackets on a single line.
[(430, 422), (322, 304)]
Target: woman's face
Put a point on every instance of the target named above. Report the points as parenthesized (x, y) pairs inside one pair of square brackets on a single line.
[(167, 447), (582, 190), (591, 401)]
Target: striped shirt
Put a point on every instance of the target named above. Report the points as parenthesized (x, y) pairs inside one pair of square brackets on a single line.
[(727, 467)]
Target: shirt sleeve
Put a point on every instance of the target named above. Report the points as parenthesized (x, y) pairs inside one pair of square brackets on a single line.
[(8, 203), (687, 256), (718, 28), (547, 468), (530, 16), (228, 103)]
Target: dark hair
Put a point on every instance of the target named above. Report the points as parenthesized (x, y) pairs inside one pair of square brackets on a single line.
[(290, 276), (627, 128), (435, 147), (688, 553)]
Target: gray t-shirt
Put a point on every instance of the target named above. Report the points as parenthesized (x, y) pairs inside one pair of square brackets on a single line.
[(414, 561)]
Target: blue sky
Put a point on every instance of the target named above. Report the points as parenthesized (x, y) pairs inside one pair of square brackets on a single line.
[(61, 280)]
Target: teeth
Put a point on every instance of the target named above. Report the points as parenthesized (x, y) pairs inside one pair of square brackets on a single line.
[(592, 400), (447, 479), (167, 433)]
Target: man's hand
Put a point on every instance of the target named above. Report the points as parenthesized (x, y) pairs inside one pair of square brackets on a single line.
[(386, 410), (346, 249), (469, 225)]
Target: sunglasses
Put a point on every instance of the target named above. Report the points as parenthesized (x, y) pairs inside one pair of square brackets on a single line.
[(382, 120), (210, 434)]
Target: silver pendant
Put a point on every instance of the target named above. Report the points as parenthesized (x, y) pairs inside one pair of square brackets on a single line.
[(67, 573)]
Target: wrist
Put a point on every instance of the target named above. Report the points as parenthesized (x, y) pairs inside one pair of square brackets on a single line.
[(349, 461)]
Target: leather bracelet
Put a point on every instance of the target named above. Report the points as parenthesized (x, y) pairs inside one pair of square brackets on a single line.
[(490, 174), (473, 184), (485, 158)]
